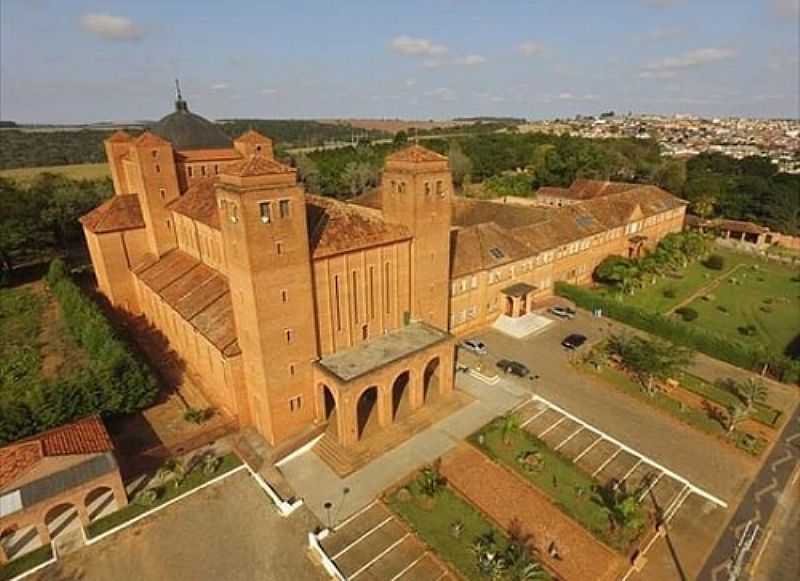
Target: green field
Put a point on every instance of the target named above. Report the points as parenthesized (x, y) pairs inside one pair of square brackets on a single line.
[(81, 171), (748, 291)]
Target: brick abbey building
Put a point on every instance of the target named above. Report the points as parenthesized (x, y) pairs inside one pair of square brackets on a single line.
[(301, 312)]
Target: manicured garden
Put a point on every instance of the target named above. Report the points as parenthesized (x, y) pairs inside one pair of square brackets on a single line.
[(570, 488), (459, 533), (172, 480)]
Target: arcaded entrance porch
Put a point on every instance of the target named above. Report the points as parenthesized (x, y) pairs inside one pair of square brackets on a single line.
[(384, 383), (518, 299)]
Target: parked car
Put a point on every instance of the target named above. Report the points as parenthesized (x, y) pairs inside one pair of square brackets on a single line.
[(573, 341), (562, 312), (513, 367), (476, 346)]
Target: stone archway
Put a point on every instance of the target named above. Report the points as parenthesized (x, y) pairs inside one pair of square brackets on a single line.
[(62, 518), (510, 306), (329, 409), (431, 380), (367, 420), (401, 396), (100, 502)]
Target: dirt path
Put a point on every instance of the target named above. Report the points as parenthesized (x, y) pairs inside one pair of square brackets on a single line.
[(515, 504), (703, 290)]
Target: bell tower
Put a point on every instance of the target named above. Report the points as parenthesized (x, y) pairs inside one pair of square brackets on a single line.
[(416, 190), (265, 237)]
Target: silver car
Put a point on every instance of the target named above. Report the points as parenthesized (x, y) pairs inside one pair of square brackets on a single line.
[(476, 346)]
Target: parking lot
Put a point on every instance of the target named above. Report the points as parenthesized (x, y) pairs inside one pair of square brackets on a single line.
[(373, 545)]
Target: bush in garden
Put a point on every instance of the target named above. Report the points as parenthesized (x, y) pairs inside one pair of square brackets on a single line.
[(688, 314), (715, 262)]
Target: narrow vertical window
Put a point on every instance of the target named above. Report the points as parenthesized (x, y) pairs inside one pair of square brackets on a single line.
[(372, 292), (263, 208), (163, 193), (216, 168), (279, 248), (365, 332), (291, 369), (189, 171), (283, 208), (355, 296), (387, 284), (284, 296), (427, 188), (158, 168), (289, 336), (337, 303), (203, 170)]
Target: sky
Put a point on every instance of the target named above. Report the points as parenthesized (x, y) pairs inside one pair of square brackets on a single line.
[(71, 61)]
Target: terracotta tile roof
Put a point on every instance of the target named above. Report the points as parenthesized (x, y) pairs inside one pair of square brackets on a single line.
[(553, 192), (17, 459), (483, 246), (148, 139), (119, 213), (257, 165), (199, 203), (86, 436), (197, 292), (335, 227), (415, 153), (467, 212), (119, 136), (740, 226), (586, 189), (253, 137), (369, 199)]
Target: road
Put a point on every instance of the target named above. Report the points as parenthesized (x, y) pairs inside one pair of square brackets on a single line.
[(760, 500)]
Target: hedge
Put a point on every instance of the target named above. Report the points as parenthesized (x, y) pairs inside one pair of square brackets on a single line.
[(712, 344)]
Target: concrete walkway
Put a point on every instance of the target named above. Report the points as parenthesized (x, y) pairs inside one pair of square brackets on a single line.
[(314, 482)]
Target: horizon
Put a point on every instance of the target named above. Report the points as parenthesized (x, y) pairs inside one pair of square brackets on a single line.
[(364, 61)]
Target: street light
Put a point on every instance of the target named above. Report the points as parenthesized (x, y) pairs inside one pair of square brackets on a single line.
[(327, 506)]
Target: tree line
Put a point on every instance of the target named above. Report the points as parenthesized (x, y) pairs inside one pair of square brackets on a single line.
[(40, 218), (114, 381)]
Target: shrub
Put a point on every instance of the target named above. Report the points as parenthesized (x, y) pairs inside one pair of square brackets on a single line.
[(748, 330), (669, 293), (715, 262), (687, 313)]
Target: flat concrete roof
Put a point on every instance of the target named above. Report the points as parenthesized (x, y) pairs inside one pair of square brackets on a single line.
[(380, 351)]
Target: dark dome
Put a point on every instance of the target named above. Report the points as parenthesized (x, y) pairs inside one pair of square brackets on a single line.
[(185, 130)]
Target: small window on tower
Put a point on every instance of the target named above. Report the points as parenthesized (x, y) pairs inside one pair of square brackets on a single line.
[(283, 208), (427, 188), (202, 170), (155, 154), (216, 168), (440, 187), (189, 171), (163, 193), (258, 149), (291, 369), (289, 336), (264, 209), (295, 403), (233, 213), (279, 248), (158, 168), (393, 185)]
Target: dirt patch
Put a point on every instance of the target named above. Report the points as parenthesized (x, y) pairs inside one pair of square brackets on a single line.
[(516, 505), (61, 355)]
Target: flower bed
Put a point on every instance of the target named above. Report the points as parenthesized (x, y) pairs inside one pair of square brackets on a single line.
[(168, 491)]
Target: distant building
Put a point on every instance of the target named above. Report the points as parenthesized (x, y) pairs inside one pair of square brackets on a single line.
[(56, 480), (301, 313)]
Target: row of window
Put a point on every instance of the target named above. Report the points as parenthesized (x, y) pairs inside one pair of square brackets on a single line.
[(462, 317), (266, 210), (356, 295), (437, 187)]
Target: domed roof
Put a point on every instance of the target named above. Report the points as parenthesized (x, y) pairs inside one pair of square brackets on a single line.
[(185, 130)]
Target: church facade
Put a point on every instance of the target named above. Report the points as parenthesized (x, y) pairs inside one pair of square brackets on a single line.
[(299, 313)]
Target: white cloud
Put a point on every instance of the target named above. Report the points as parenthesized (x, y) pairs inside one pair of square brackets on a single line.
[(470, 60), (567, 96), (411, 82), (665, 33), (268, 91), (531, 48), (433, 63), (111, 27), (692, 58), (442, 93), (408, 45)]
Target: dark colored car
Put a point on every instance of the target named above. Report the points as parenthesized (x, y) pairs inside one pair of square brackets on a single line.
[(513, 367), (573, 341)]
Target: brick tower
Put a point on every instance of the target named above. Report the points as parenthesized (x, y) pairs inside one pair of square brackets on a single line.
[(416, 189), (265, 237)]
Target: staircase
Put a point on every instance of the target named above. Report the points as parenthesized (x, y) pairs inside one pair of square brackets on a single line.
[(339, 458)]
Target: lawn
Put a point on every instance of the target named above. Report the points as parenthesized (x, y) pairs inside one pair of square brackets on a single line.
[(567, 485), (166, 493), (432, 519), (20, 321), (81, 171), (25, 563), (765, 295), (715, 393), (697, 418)]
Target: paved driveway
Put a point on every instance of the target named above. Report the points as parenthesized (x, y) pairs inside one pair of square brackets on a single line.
[(721, 471), (227, 531)]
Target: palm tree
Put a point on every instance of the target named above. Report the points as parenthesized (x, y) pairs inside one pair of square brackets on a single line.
[(430, 481), (520, 564), (622, 507), (737, 413), (751, 392), (509, 426)]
